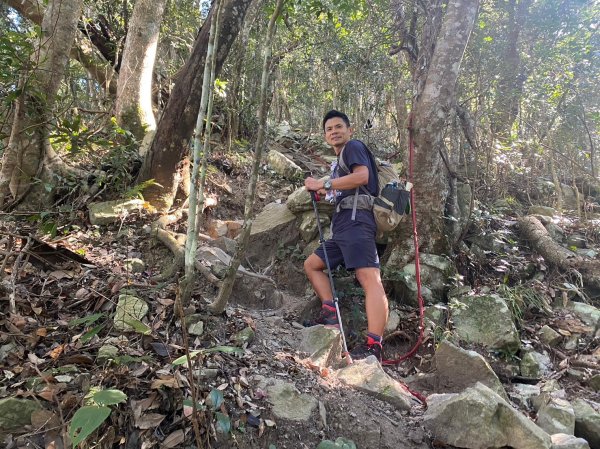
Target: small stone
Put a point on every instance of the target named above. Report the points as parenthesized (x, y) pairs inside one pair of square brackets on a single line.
[(5, 350), (245, 336), (134, 265), (556, 416), (196, 328), (535, 364), (594, 382), (549, 336)]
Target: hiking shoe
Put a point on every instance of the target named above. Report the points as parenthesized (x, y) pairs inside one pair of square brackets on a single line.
[(364, 350), (327, 317)]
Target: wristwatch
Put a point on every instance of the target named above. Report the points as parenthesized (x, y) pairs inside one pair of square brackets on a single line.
[(327, 184)]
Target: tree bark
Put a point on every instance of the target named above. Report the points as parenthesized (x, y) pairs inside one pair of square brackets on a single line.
[(29, 155), (93, 61), (173, 133), (133, 107), (534, 231), (431, 110)]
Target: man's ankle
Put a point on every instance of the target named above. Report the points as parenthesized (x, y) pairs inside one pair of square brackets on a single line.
[(374, 339)]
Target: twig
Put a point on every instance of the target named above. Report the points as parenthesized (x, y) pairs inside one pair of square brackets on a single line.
[(12, 307)]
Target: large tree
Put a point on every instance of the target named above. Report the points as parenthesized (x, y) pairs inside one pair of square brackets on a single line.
[(29, 160), (133, 107), (435, 62), (174, 130)]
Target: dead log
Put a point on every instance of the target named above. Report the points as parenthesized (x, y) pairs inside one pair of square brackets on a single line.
[(534, 231)]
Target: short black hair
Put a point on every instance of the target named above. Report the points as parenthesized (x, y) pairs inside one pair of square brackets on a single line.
[(333, 113)]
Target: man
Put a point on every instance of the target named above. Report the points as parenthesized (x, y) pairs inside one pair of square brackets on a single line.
[(353, 240)]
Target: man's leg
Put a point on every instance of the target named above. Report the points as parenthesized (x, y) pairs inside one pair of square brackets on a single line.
[(314, 266), (376, 302)]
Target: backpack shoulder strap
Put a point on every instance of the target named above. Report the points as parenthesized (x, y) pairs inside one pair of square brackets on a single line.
[(344, 167)]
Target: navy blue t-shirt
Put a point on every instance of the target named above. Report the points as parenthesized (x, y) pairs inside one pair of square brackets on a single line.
[(355, 153)]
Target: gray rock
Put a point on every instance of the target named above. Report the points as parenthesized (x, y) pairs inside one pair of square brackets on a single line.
[(16, 413), (556, 232), (393, 322), (564, 441), (486, 320), (308, 225), (587, 423), (339, 443), (549, 336), (556, 416), (523, 394), (569, 197), (196, 328), (284, 166), (287, 401), (458, 369), (129, 309), (6, 349), (368, 376), (299, 201), (594, 382), (590, 315), (535, 364), (435, 272), (244, 337), (134, 265), (549, 389), (576, 241), (480, 419), (493, 241), (273, 227), (323, 344), (542, 210), (405, 290), (112, 211)]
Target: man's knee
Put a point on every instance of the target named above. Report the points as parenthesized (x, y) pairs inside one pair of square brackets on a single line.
[(369, 277), (313, 263)]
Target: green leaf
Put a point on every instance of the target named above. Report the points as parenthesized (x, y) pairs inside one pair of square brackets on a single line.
[(215, 399), (225, 349), (139, 327), (223, 422), (190, 403), (109, 397), (85, 320), (85, 421), (91, 333)]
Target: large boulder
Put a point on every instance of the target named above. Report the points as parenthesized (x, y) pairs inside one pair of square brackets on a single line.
[(367, 375), (16, 413), (569, 197), (436, 271), (284, 166), (323, 344), (299, 201), (112, 211), (485, 320), (458, 369), (587, 423), (273, 227), (480, 419), (590, 315), (557, 416), (308, 225), (535, 364)]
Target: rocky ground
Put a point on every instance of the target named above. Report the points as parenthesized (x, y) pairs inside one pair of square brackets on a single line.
[(503, 363)]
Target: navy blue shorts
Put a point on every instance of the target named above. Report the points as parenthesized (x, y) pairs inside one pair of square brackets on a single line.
[(355, 247)]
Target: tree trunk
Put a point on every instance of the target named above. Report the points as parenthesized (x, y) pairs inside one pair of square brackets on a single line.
[(220, 302), (173, 133), (133, 107), (510, 84), (83, 51), (29, 155), (431, 110)]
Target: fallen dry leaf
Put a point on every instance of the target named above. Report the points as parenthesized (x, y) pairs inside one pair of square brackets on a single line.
[(173, 440), (44, 419), (170, 382), (41, 332), (149, 420)]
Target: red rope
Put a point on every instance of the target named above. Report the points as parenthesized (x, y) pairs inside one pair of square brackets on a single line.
[(411, 151)]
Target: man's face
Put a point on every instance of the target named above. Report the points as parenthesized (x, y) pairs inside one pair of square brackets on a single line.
[(337, 133)]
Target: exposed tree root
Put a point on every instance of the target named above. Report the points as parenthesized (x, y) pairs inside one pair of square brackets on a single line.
[(535, 232), (176, 244)]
